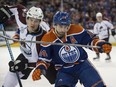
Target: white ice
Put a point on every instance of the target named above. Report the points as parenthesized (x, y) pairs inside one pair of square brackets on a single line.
[(106, 69)]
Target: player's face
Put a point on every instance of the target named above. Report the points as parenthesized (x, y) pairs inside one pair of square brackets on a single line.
[(99, 18), (61, 30), (32, 24)]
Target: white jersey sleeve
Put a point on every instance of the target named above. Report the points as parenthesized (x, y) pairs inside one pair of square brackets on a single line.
[(109, 25), (45, 26), (15, 13), (19, 11)]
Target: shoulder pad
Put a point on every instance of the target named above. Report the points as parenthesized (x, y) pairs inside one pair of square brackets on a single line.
[(75, 28), (49, 37)]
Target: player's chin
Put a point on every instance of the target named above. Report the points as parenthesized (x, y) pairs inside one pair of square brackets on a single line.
[(34, 30)]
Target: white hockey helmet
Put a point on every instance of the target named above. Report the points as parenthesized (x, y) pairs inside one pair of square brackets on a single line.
[(99, 14), (35, 12)]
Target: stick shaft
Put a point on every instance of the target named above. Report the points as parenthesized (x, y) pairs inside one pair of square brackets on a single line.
[(51, 43), (61, 7), (11, 54)]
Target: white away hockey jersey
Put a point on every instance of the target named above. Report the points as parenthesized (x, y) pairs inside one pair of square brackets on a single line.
[(102, 29)]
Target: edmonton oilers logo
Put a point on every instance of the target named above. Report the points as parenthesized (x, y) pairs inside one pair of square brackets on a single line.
[(69, 54)]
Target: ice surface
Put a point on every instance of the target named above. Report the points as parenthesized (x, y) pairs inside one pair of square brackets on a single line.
[(106, 69)]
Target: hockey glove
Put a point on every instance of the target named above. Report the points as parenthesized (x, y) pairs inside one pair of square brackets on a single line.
[(18, 65), (104, 47), (36, 74), (113, 32), (5, 14), (40, 69)]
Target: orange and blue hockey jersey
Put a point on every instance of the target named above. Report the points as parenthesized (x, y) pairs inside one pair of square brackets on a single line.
[(61, 55)]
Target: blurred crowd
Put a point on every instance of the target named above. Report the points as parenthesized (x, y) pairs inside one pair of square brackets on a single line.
[(13, 2), (82, 11)]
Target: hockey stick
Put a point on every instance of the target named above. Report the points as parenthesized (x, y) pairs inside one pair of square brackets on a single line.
[(10, 52), (51, 43), (61, 5)]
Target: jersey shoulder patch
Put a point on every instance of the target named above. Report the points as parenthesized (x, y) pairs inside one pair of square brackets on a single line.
[(75, 28)]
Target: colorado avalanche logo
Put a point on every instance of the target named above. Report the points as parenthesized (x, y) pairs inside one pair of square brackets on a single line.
[(69, 54)]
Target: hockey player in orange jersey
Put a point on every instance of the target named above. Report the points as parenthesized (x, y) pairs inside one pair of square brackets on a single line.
[(71, 62)]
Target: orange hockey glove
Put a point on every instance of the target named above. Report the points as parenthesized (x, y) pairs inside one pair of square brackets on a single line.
[(40, 69), (36, 74), (104, 47)]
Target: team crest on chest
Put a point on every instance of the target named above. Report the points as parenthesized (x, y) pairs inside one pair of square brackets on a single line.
[(69, 54)]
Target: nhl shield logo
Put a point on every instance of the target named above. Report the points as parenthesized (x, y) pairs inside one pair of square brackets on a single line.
[(69, 54)]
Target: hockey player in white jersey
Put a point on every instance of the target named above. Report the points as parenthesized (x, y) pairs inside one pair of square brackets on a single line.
[(26, 61), (101, 29), (19, 12)]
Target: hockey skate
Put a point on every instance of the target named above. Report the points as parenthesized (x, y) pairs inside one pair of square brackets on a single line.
[(108, 59), (96, 58)]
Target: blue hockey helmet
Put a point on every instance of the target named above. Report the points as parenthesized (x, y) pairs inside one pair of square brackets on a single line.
[(62, 18)]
